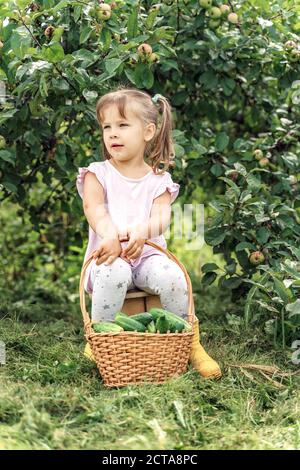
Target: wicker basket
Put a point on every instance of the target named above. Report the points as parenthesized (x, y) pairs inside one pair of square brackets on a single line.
[(130, 357)]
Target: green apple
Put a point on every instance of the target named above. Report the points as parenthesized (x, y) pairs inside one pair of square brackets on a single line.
[(104, 11), (213, 24), (293, 180), (2, 142), (258, 154), (288, 45), (215, 13), (256, 258), (294, 55), (153, 57), (224, 9), (205, 3), (233, 18), (264, 162)]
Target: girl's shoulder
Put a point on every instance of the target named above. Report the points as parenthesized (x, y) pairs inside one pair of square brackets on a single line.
[(98, 168)]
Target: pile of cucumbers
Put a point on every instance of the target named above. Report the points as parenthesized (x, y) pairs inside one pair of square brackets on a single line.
[(157, 320)]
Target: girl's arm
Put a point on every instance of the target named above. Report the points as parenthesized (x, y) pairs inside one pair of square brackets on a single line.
[(160, 218), (94, 208)]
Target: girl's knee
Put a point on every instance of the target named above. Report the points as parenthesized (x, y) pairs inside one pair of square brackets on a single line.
[(173, 281), (118, 271)]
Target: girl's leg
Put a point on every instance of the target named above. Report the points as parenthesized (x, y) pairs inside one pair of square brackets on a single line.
[(160, 275), (110, 284)]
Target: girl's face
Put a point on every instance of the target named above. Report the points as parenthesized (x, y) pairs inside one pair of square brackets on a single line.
[(130, 133)]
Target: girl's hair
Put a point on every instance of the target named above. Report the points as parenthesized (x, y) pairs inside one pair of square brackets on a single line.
[(160, 150)]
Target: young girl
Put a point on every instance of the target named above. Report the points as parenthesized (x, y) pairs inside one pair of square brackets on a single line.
[(126, 200)]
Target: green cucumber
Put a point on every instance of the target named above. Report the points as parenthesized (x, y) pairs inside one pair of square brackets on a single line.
[(144, 317), (176, 323), (151, 327), (128, 324), (106, 327), (162, 324)]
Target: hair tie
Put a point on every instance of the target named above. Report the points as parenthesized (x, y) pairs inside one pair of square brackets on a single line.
[(156, 97)]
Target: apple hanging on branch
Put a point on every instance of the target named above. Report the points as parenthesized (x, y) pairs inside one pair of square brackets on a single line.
[(233, 18), (256, 258), (102, 12), (144, 51), (205, 3)]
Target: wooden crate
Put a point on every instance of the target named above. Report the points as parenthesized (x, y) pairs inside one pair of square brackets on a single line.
[(137, 301)]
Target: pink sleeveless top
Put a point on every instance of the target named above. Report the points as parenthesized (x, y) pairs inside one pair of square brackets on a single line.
[(128, 201)]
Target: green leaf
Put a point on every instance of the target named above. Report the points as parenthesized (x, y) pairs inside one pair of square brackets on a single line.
[(294, 308), (243, 259), (60, 156), (282, 291), (231, 183), (90, 95), (60, 85), (241, 246), (151, 19), (215, 236), (20, 41), (231, 267), (85, 34), (263, 235), (232, 282), (148, 78), (253, 182), (228, 85), (77, 13), (130, 74), (143, 76), (43, 86), (208, 278), (221, 141), (208, 267), (10, 186), (5, 115), (217, 169), (209, 79), (132, 24), (106, 38), (53, 53), (60, 5), (8, 156), (111, 65), (240, 168)]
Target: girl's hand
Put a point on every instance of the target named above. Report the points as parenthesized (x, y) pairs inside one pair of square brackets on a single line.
[(109, 250), (135, 245)]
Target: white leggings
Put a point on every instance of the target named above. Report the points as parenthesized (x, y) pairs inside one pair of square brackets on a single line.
[(156, 274)]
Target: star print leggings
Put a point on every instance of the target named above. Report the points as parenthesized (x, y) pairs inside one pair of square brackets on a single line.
[(156, 274)]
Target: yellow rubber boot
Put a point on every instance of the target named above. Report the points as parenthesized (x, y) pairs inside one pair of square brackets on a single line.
[(200, 360), (88, 352)]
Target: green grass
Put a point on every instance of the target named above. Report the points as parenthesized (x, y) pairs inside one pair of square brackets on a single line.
[(53, 398)]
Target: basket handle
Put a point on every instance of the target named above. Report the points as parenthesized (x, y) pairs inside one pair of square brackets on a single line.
[(86, 318)]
